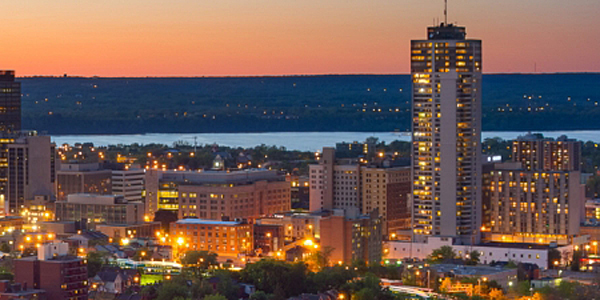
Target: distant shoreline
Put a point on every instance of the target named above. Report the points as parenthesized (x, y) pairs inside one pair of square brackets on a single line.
[(281, 76)]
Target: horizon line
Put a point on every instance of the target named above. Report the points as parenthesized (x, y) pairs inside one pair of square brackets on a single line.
[(290, 75)]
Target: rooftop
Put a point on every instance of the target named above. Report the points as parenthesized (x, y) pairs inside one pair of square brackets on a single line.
[(446, 32), (207, 222), (468, 270)]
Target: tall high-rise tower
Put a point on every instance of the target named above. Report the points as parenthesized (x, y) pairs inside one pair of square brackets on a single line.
[(446, 134), (10, 102)]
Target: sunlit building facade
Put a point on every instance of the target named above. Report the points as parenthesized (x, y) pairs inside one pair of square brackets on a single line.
[(446, 128), (534, 206), (27, 170), (224, 238), (217, 195), (547, 154)]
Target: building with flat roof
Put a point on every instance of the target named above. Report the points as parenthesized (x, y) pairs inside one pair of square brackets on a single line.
[(535, 152), (60, 275), (334, 186), (296, 225), (10, 102), (129, 183), (519, 252), (78, 178), (12, 291), (226, 238), (217, 194), (27, 166), (352, 238), (99, 209), (446, 76), (387, 190), (118, 231), (531, 205)]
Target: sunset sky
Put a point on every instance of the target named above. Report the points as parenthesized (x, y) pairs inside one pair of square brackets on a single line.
[(281, 37)]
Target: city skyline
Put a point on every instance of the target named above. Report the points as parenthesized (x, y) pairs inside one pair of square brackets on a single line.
[(235, 38)]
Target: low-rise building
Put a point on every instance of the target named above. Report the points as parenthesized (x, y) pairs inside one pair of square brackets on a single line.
[(268, 238), (226, 238), (53, 270), (86, 178), (216, 194), (296, 225), (118, 231), (485, 273), (489, 252), (13, 291), (99, 209)]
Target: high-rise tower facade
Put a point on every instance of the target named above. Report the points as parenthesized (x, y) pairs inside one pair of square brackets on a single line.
[(10, 102), (446, 134)]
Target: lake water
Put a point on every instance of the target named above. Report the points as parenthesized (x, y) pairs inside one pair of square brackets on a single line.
[(306, 141)]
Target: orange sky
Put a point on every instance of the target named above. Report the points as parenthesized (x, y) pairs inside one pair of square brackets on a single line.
[(277, 37)]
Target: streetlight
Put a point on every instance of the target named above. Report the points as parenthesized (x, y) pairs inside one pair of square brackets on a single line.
[(595, 243)]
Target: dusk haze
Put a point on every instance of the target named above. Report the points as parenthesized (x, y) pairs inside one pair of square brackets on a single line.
[(264, 37), (300, 150)]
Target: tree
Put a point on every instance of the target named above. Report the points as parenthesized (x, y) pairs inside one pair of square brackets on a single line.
[(259, 295), (171, 290), (473, 258), (441, 254), (95, 260), (320, 258), (331, 278), (267, 274), (226, 287), (200, 260), (4, 247), (215, 297), (553, 258)]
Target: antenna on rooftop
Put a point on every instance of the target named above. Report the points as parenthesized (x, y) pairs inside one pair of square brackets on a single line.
[(446, 12)]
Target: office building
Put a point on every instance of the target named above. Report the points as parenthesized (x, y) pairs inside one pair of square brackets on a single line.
[(296, 225), (27, 169), (535, 152), (355, 149), (225, 238), (10, 102), (63, 277), (300, 191), (446, 134), (352, 238), (268, 238), (82, 178), (334, 186), (216, 195), (119, 231), (387, 190), (592, 210), (128, 182), (99, 209)]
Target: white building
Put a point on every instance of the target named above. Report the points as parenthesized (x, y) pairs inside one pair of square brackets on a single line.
[(535, 254), (334, 186), (446, 134), (128, 183)]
